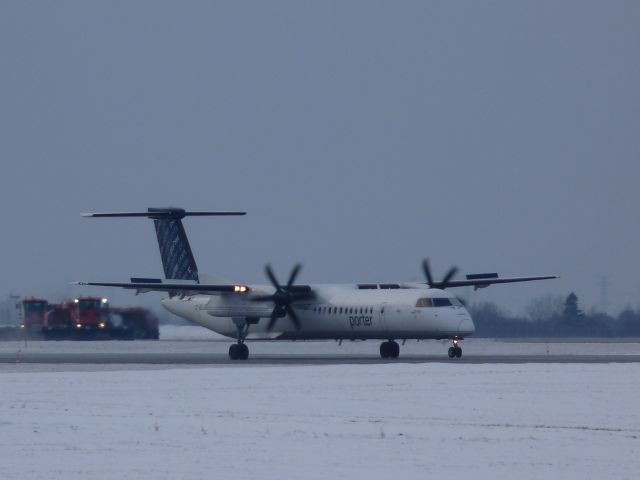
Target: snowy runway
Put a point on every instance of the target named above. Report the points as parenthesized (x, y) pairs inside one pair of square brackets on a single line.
[(346, 421), (198, 346)]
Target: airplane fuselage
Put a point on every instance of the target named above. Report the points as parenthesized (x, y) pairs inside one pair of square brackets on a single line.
[(337, 312)]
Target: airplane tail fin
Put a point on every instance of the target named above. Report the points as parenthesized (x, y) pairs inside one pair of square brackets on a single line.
[(177, 258)]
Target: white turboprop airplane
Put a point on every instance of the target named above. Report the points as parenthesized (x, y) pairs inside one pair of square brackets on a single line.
[(389, 311)]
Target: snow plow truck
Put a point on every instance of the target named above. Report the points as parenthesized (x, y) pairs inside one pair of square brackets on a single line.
[(91, 318)]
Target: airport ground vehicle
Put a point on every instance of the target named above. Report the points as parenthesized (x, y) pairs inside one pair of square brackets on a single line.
[(82, 318), (133, 323), (57, 322), (32, 316), (91, 318)]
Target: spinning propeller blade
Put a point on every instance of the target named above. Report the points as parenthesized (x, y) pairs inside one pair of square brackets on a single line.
[(445, 281), (283, 297)]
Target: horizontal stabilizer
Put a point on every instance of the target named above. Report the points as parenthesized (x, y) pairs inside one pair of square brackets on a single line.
[(163, 213)]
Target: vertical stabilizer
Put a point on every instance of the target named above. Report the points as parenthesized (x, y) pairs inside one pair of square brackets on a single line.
[(177, 258)]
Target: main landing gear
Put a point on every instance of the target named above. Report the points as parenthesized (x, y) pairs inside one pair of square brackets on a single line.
[(456, 350), (389, 349), (240, 351)]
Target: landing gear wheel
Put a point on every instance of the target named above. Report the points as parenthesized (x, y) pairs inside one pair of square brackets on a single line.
[(455, 351), (395, 349), (233, 352), (389, 349), (238, 351)]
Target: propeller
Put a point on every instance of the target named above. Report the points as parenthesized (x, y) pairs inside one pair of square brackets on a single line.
[(445, 281), (284, 296)]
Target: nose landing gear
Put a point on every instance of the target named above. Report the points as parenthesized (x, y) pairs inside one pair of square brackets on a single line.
[(238, 351), (456, 350), (389, 349)]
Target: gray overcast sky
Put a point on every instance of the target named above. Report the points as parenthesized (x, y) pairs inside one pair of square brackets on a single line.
[(360, 136)]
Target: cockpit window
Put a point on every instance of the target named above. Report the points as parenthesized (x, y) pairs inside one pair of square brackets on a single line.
[(424, 302), (438, 302), (441, 302)]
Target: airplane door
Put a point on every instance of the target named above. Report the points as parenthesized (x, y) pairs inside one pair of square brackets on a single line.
[(382, 317)]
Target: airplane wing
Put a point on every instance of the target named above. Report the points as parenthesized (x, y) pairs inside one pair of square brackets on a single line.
[(171, 287), (483, 280)]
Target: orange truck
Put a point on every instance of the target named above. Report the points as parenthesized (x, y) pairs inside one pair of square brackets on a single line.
[(58, 323), (33, 313), (91, 318), (83, 318)]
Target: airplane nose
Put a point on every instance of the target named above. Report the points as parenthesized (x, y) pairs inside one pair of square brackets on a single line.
[(466, 327)]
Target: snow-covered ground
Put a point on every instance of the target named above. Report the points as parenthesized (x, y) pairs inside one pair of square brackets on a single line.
[(531, 421), (188, 332)]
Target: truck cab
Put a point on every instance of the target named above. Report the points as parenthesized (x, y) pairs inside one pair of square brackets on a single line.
[(90, 315), (33, 312)]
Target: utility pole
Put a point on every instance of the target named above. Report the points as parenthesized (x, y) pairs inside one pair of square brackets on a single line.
[(604, 293)]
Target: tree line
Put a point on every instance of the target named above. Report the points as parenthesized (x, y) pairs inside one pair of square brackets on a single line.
[(553, 316)]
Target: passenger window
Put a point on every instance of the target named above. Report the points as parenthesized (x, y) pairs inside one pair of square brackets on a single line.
[(424, 302)]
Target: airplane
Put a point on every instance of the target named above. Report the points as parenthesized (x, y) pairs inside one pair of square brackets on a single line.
[(292, 311)]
